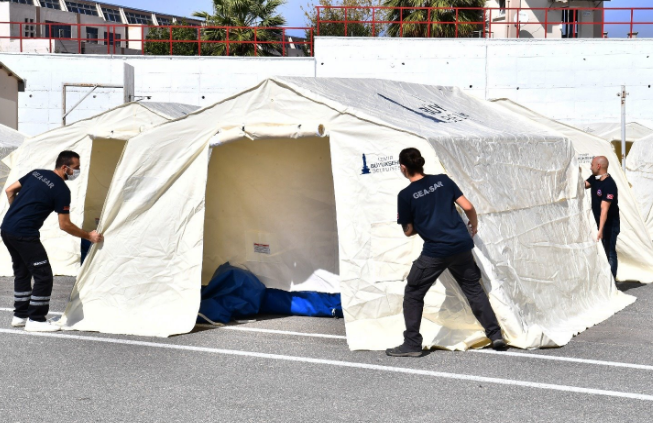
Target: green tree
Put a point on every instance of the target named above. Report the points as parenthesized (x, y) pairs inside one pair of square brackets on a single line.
[(178, 33), (360, 14), (409, 29), (246, 14)]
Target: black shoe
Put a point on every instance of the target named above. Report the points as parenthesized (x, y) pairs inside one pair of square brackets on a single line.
[(499, 345), (401, 351)]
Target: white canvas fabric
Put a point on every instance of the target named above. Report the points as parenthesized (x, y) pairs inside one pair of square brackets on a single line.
[(10, 140), (634, 246), (612, 131), (310, 212), (99, 141), (639, 169)]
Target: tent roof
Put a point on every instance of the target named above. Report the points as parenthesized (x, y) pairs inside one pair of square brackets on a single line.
[(429, 111), (9, 137), (612, 131), (169, 110)]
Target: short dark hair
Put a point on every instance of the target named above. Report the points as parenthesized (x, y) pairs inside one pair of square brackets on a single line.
[(413, 160), (65, 158)]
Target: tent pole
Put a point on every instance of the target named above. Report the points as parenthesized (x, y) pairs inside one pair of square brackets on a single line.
[(623, 126)]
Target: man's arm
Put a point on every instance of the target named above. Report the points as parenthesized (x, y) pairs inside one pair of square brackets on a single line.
[(470, 211), (12, 191), (605, 206), (409, 230), (587, 185), (67, 226)]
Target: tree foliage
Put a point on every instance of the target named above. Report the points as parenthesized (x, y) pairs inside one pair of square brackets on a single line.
[(178, 33), (245, 15), (333, 29), (409, 29)]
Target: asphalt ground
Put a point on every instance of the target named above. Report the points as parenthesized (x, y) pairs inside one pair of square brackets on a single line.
[(269, 371)]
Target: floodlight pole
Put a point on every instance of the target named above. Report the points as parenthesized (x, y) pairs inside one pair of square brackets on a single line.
[(624, 94)]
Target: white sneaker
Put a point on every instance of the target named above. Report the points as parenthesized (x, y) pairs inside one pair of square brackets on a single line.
[(18, 322), (34, 326)]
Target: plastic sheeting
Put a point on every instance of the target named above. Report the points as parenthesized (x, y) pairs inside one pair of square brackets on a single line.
[(634, 247), (99, 141), (639, 169), (546, 276), (312, 304)]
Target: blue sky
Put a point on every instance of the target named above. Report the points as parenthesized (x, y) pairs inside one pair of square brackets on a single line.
[(295, 17)]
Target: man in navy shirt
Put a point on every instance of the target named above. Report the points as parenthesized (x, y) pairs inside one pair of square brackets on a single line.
[(605, 206), (32, 198), (427, 207)]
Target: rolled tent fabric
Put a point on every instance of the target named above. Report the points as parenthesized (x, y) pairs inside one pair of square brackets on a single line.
[(319, 214), (639, 169), (634, 246)]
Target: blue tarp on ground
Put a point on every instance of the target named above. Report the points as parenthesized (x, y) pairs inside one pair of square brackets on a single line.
[(316, 304), (232, 293)]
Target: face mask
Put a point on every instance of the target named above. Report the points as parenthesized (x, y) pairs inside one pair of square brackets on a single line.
[(74, 176)]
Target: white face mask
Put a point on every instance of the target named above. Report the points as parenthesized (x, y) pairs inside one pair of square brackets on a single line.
[(74, 176)]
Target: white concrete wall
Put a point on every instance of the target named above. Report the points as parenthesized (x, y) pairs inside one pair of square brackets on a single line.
[(568, 80), (193, 80)]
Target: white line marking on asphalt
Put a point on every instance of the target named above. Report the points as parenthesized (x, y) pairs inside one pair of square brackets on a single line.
[(347, 364), (484, 351)]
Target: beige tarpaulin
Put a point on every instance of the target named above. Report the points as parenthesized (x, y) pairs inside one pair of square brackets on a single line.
[(318, 213), (634, 246), (639, 169), (10, 140), (99, 141)]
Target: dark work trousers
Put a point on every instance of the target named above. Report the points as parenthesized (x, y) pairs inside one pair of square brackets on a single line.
[(423, 274), (609, 240), (30, 261)]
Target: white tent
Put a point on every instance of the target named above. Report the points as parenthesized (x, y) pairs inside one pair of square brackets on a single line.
[(296, 179), (634, 246), (612, 131), (99, 141), (639, 169), (10, 140)]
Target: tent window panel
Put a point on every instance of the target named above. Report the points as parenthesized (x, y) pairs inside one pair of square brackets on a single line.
[(270, 208), (104, 159)]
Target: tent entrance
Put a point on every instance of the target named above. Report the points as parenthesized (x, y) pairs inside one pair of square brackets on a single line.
[(270, 208), (105, 155)]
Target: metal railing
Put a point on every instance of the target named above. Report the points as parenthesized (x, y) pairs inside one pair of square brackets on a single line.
[(138, 39), (483, 21)]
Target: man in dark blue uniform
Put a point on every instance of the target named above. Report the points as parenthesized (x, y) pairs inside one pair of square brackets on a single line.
[(427, 207), (605, 206), (32, 198)]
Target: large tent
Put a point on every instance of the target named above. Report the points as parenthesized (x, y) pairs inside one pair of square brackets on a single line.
[(639, 169), (296, 180), (611, 132), (634, 246), (10, 140), (99, 141)]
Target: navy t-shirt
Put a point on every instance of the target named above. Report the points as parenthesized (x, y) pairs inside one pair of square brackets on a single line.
[(605, 190), (429, 205), (41, 193)]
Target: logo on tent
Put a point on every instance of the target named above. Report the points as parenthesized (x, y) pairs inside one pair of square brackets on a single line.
[(431, 111), (379, 164)]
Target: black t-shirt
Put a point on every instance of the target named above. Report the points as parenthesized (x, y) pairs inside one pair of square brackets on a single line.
[(429, 205), (605, 190), (41, 193)]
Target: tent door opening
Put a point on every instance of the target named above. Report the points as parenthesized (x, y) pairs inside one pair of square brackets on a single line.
[(105, 155), (270, 208)]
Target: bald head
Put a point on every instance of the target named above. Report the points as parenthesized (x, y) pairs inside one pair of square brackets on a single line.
[(599, 165)]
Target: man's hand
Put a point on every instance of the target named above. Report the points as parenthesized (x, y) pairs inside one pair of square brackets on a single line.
[(95, 237), (408, 228), (12, 191), (473, 229), (599, 236)]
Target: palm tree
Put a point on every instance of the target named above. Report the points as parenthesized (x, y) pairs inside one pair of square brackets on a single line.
[(409, 29), (246, 14)]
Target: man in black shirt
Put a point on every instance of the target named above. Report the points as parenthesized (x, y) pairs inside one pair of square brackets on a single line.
[(32, 198), (605, 206), (427, 207)]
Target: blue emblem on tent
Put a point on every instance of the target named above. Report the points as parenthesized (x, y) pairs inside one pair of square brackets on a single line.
[(365, 169)]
